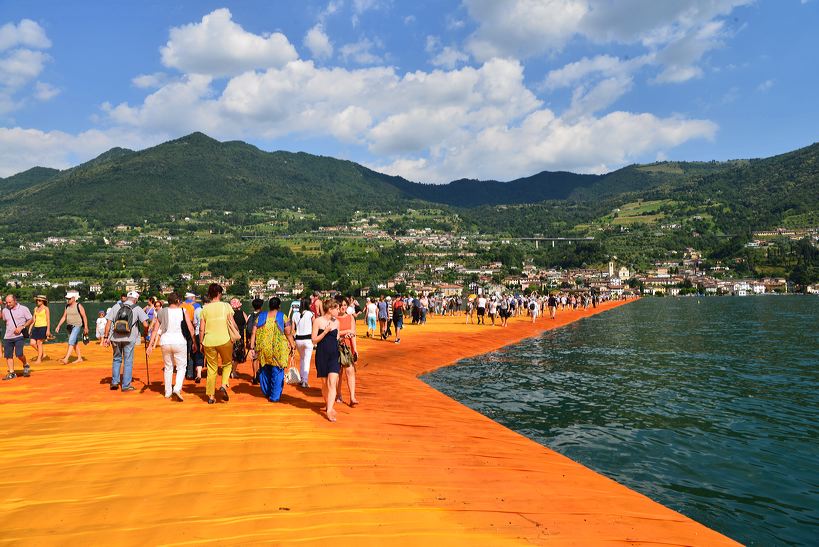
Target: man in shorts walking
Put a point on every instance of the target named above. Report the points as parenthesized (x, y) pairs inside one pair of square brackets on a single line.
[(17, 317)]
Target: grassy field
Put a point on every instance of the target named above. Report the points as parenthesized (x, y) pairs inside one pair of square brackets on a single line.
[(638, 212)]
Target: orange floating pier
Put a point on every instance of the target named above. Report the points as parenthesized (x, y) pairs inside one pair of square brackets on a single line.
[(83, 465)]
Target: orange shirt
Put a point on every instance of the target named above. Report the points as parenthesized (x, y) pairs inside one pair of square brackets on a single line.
[(346, 323)]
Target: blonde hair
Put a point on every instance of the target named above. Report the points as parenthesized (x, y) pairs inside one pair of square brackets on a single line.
[(330, 303)]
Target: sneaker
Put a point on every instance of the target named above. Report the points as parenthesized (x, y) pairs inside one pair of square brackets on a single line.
[(225, 396), (26, 371), (129, 388), (114, 387), (398, 341), (10, 376)]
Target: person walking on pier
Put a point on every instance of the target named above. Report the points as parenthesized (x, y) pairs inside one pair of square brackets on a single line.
[(325, 337), (122, 333), (272, 341), (346, 336), (370, 317), (167, 329), (41, 329), (18, 318), (304, 344), (552, 302), (398, 317), (215, 339), (74, 317)]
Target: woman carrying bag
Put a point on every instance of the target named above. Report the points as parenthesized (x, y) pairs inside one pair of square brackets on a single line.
[(217, 333), (273, 345)]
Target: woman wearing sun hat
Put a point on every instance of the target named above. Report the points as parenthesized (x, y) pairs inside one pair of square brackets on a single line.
[(74, 317), (41, 329)]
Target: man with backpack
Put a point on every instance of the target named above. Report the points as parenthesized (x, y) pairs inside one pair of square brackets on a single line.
[(122, 333)]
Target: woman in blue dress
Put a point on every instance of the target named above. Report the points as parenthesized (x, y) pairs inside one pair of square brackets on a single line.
[(325, 337)]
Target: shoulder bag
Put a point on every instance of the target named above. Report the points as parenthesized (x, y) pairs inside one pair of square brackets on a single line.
[(233, 330)]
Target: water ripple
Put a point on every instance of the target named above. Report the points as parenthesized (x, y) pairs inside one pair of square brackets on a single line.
[(710, 407)]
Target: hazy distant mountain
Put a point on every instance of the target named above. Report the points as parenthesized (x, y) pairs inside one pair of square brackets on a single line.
[(197, 172)]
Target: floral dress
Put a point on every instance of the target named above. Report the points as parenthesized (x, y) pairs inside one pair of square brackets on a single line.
[(271, 343)]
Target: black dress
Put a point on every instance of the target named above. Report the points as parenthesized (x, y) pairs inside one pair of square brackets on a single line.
[(239, 353), (327, 354)]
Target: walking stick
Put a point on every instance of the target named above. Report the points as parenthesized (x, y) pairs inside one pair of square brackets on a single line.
[(147, 371)]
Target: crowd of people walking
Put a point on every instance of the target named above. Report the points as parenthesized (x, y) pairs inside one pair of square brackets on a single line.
[(215, 336)]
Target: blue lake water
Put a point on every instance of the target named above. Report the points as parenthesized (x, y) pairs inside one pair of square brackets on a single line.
[(709, 406)]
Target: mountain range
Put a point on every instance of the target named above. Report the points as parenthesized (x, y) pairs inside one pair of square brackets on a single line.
[(197, 172)]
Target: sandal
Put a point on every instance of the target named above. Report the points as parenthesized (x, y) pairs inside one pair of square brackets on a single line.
[(225, 396)]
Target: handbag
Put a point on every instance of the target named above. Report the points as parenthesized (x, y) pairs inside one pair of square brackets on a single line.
[(233, 330), (293, 376), (345, 355)]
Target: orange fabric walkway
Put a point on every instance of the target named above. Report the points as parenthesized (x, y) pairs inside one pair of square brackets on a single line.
[(83, 465)]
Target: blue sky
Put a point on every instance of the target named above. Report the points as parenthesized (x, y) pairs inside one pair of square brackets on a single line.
[(431, 90)]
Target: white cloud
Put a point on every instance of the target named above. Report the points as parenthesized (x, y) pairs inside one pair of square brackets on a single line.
[(449, 57), (765, 86), (217, 46), (361, 52), (521, 28), (21, 64), (150, 81), (26, 33), (676, 34), (318, 43), (44, 91), (471, 121), (446, 57), (587, 101), (681, 55), (21, 149), (545, 142), (601, 65), (360, 6)]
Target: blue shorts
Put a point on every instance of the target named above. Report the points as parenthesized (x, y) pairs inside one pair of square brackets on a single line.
[(74, 335), (13, 346)]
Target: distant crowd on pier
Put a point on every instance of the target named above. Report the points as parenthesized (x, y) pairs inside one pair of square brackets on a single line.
[(213, 335)]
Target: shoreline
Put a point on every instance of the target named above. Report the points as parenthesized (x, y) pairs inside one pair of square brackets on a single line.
[(408, 465)]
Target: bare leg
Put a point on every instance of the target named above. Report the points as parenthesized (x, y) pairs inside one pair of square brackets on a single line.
[(350, 384), (332, 384), (338, 398), (79, 353), (64, 360)]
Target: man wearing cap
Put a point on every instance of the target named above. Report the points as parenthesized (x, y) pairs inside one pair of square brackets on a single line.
[(74, 317), (17, 317), (123, 335)]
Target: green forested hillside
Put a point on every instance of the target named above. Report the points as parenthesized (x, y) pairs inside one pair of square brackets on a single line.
[(197, 173), (26, 179)]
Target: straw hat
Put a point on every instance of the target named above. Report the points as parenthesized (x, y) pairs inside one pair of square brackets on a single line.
[(42, 297)]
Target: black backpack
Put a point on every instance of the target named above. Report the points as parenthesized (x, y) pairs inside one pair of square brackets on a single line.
[(124, 320)]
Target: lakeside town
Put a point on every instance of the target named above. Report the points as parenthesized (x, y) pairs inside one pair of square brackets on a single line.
[(437, 262)]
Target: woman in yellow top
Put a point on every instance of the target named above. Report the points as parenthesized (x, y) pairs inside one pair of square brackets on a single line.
[(41, 329), (215, 340)]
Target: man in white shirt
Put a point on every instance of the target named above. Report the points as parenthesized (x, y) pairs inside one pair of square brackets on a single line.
[(481, 309)]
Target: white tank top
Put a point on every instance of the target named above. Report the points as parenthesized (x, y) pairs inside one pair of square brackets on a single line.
[(304, 326), (172, 332)]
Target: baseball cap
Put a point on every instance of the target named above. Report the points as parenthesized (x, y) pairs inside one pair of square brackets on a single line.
[(72, 294), (133, 294), (190, 295)]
